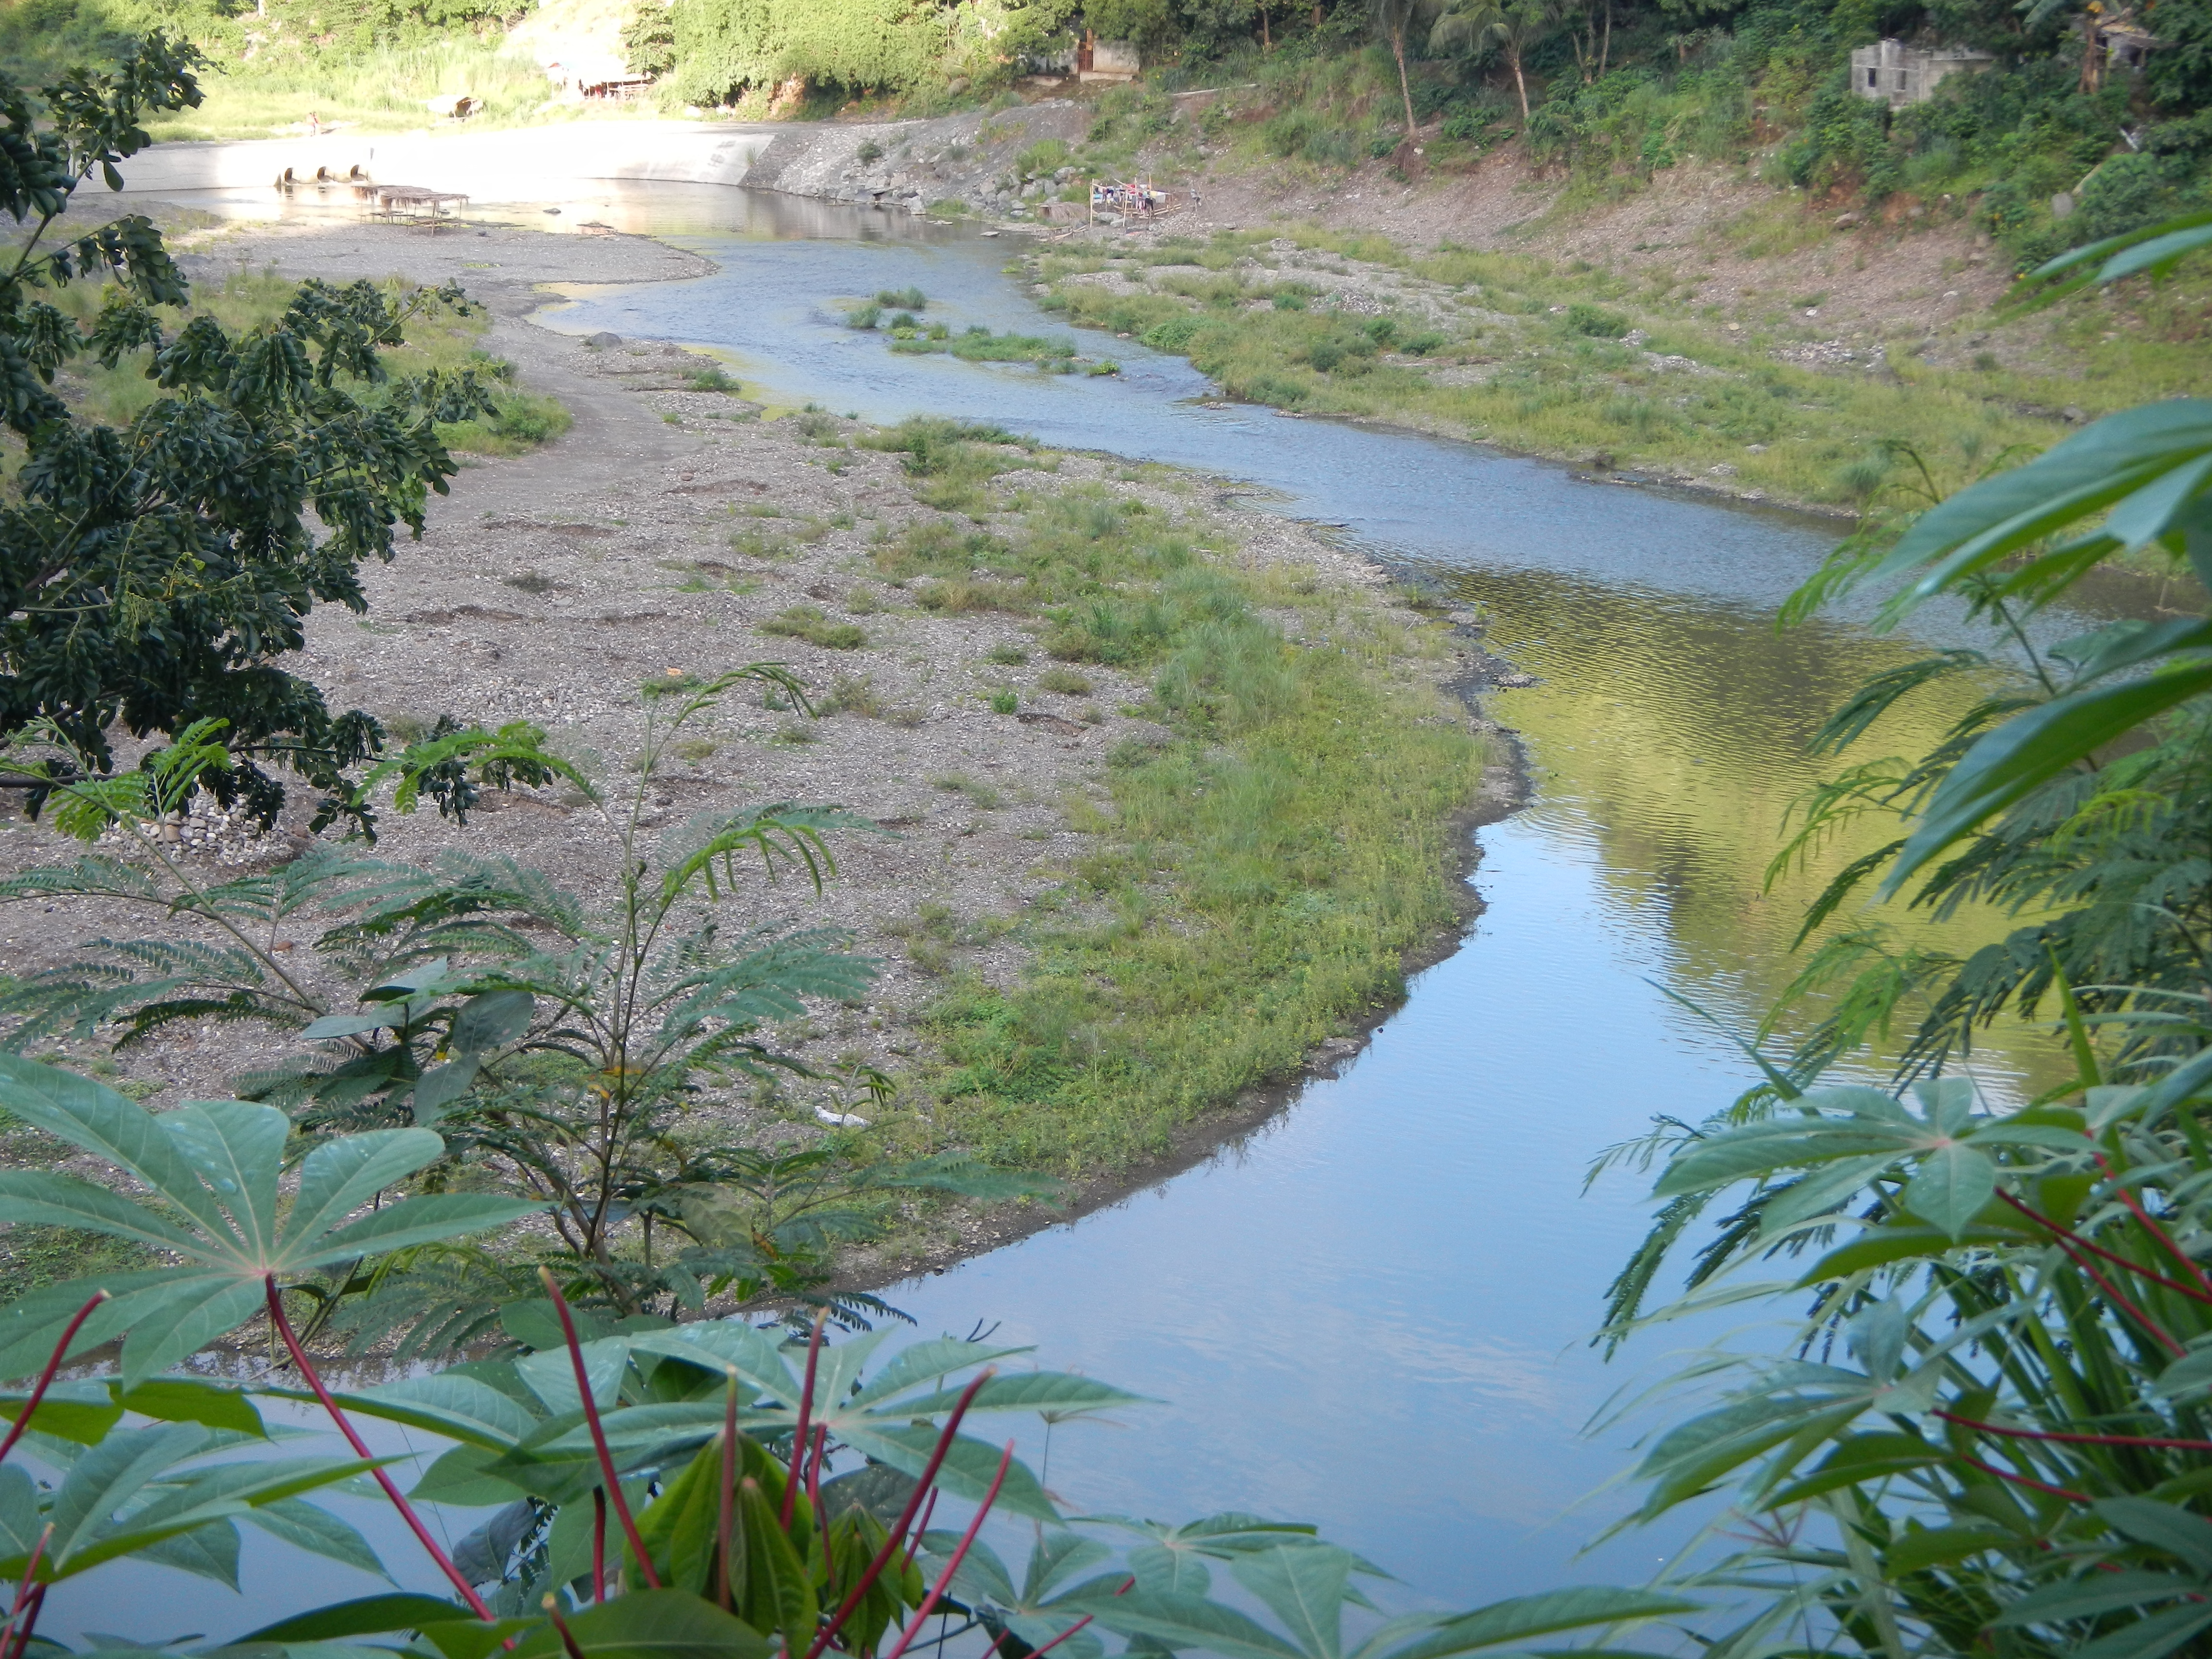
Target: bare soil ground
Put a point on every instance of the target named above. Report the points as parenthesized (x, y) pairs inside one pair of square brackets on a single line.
[(658, 535)]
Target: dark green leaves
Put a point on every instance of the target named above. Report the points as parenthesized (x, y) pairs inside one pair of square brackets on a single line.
[(157, 574), (653, 1624)]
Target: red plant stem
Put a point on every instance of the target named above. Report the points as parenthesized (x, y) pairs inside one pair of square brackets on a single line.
[(31, 1570), (2023, 1481), (799, 1433), (568, 1636), (820, 1514), (22, 1637), (361, 1449), (598, 1433), (1039, 1653), (2154, 1229), (2076, 1439), (875, 1568), (599, 1544), (726, 1557), (915, 1548), (2111, 1256), (967, 1540), (2120, 1299), (46, 1376), (24, 1590)]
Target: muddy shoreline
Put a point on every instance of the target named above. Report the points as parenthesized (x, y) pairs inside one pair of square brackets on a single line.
[(659, 534)]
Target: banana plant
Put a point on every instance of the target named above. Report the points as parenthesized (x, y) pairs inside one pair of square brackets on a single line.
[(212, 1170)]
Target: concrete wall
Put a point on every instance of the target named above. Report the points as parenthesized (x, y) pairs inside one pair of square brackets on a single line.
[(526, 164), (1894, 73)]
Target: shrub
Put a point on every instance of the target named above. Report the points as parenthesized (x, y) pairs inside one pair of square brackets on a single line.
[(1596, 322), (1042, 159), (908, 298), (1174, 335)]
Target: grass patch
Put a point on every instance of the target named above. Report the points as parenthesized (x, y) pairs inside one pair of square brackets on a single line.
[(979, 345), (1255, 879), (1065, 681), (31, 1258), (814, 625), (980, 793), (950, 464)]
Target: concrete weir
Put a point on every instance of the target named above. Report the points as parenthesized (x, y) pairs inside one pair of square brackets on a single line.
[(522, 164)]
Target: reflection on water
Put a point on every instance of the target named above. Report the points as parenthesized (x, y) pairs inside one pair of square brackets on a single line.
[(1677, 726), (1374, 1312)]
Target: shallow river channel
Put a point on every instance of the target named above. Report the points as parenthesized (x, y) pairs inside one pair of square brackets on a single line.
[(1374, 1312)]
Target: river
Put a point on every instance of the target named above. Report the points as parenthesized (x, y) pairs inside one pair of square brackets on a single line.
[(1374, 1311)]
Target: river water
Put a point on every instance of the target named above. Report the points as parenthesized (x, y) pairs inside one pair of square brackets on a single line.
[(1373, 1312)]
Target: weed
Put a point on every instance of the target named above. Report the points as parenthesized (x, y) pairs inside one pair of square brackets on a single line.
[(902, 299), (862, 316), (1065, 681), (1004, 703), (530, 582), (1007, 655), (959, 783), (810, 622), (694, 749), (1042, 159), (712, 379), (853, 695), (795, 734)]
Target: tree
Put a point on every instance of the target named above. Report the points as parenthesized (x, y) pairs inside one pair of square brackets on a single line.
[(153, 576), (1475, 26), (1394, 18)]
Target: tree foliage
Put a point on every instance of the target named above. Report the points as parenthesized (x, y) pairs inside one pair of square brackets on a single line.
[(153, 576)]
